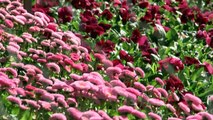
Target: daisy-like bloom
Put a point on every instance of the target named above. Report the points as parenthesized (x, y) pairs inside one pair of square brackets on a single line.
[(14, 100), (107, 63), (160, 81), (117, 83), (45, 105), (81, 85), (32, 103), (155, 116), (197, 107), (156, 102), (184, 107), (91, 115), (99, 56), (140, 72), (72, 101), (140, 86), (47, 97), (194, 117), (138, 114), (107, 93), (171, 108), (194, 99), (133, 90), (75, 76), (54, 67), (57, 116), (125, 109), (9, 23), (163, 92), (120, 91), (75, 57), (62, 102), (175, 96), (104, 115), (113, 72), (173, 118), (12, 50), (206, 115)]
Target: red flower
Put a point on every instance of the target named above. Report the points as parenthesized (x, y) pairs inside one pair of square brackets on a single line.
[(84, 4), (143, 4), (190, 61), (174, 83), (65, 14), (107, 46), (106, 13), (125, 56), (176, 63)]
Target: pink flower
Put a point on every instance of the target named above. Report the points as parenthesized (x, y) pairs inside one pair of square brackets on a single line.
[(53, 66), (107, 93), (57, 116), (172, 118), (184, 107), (34, 29), (197, 107), (9, 23), (117, 83), (75, 76), (160, 81), (90, 114), (107, 63), (59, 84), (194, 99), (133, 90), (156, 102), (75, 113), (81, 85), (75, 57), (14, 100), (45, 105), (194, 117), (139, 114), (175, 96), (104, 115), (155, 116), (72, 101), (47, 97), (140, 86), (140, 72), (62, 102), (206, 115), (125, 109), (120, 91), (99, 56), (12, 50), (32, 103), (163, 92)]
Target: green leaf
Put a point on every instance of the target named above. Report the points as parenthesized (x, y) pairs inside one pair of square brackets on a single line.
[(172, 35)]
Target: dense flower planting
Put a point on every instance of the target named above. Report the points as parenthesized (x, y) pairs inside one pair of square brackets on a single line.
[(106, 60)]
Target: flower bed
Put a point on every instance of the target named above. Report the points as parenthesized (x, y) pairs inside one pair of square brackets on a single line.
[(106, 60)]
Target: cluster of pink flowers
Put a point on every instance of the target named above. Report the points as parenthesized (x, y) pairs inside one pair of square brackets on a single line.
[(53, 72)]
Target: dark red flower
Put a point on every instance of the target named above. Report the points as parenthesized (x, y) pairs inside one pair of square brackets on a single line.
[(176, 63), (201, 19), (118, 63), (105, 26), (174, 83), (124, 14), (106, 46), (84, 4), (125, 56), (65, 14), (107, 14), (190, 61), (143, 4)]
